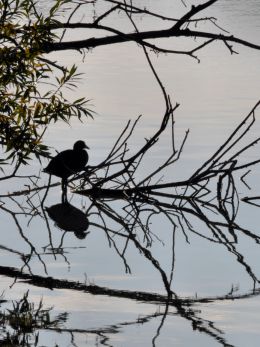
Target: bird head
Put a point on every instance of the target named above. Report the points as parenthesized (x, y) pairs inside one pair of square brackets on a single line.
[(79, 145)]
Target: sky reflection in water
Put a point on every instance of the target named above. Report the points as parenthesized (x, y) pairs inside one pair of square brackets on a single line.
[(214, 95)]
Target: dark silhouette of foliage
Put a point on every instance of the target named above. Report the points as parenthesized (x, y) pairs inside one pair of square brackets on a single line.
[(26, 107), (20, 324)]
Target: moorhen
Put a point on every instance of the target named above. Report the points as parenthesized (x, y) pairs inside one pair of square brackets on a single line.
[(67, 163)]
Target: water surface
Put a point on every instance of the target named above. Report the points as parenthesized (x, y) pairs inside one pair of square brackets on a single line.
[(214, 96)]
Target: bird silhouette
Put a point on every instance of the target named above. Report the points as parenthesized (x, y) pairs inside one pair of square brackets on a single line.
[(68, 163)]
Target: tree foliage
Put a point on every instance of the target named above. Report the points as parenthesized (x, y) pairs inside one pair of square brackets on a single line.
[(27, 107)]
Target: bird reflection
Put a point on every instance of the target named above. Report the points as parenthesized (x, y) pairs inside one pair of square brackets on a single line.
[(69, 218), (67, 163)]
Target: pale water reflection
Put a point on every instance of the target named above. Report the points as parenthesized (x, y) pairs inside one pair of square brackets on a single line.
[(214, 95)]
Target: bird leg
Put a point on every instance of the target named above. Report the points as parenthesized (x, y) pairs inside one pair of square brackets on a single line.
[(64, 183)]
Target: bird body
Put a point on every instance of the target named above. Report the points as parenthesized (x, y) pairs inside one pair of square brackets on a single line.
[(68, 163)]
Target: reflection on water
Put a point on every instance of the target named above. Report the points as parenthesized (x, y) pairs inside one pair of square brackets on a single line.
[(214, 96), (69, 218), (125, 214)]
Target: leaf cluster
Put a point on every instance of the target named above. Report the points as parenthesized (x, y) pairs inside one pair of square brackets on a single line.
[(31, 86)]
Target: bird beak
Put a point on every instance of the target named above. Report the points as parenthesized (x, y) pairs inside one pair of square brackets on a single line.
[(86, 146)]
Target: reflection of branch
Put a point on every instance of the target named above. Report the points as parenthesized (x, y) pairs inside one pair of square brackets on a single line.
[(26, 259), (132, 236), (53, 283), (183, 305), (198, 323), (11, 250), (158, 331)]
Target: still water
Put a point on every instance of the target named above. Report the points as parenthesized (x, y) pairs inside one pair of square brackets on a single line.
[(214, 96)]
